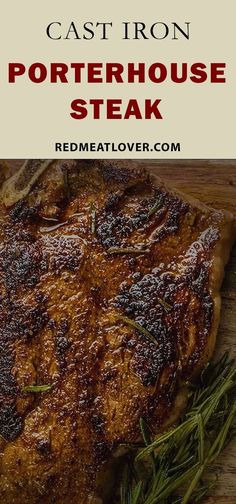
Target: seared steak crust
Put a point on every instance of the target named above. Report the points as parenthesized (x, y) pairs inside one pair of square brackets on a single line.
[(89, 251)]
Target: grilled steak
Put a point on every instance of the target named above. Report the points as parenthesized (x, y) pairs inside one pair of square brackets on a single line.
[(109, 288)]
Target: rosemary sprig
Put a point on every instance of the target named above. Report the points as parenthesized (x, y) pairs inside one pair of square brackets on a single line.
[(36, 388), (127, 250), (169, 469), (136, 325)]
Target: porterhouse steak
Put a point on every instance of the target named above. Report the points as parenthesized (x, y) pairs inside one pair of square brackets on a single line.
[(109, 297)]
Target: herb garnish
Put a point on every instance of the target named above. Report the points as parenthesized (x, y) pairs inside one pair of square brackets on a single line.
[(158, 204), (169, 469), (137, 326), (164, 304), (36, 388), (127, 250), (93, 220)]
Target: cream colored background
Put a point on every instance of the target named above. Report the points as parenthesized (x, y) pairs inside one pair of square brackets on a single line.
[(201, 117)]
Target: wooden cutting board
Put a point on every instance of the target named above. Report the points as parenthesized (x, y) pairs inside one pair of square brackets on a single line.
[(214, 183)]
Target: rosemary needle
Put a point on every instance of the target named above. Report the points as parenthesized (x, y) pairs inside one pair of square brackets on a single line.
[(145, 432), (164, 304), (93, 221), (156, 206), (137, 326), (36, 388), (127, 250)]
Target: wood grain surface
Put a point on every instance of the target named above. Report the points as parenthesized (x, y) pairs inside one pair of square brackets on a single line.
[(213, 182)]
